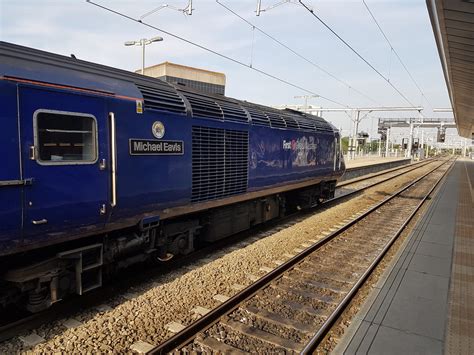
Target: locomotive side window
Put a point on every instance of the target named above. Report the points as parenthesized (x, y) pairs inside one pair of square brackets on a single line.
[(65, 138)]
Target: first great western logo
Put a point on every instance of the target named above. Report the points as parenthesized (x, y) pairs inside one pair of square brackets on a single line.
[(155, 147)]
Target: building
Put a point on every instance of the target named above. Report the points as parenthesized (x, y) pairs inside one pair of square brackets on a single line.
[(195, 78)]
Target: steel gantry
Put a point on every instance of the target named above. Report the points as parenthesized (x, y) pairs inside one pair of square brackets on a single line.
[(386, 124), (355, 117)]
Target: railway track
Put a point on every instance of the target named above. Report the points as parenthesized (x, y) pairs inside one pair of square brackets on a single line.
[(65, 308), (356, 185), (292, 308)]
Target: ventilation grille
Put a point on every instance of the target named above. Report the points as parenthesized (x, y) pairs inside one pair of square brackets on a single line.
[(233, 111), (219, 163), (321, 124), (309, 122), (203, 106), (259, 117), (276, 120), (161, 97)]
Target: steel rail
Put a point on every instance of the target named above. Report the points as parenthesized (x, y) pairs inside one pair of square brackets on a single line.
[(188, 334), (344, 196), (69, 306), (329, 322)]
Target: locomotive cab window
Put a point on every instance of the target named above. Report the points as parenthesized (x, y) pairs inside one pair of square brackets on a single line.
[(65, 138)]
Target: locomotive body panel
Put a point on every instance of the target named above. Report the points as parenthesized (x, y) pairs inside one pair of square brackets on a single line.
[(11, 180), (199, 162), (150, 179), (282, 156), (63, 137)]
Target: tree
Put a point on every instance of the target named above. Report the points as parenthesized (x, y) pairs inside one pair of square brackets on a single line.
[(345, 144)]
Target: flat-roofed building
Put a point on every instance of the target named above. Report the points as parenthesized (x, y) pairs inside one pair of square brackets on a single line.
[(195, 78)]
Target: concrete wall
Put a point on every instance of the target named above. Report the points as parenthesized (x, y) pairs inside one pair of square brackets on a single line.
[(185, 72)]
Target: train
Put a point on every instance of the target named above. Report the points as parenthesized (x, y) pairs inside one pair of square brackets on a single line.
[(107, 168)]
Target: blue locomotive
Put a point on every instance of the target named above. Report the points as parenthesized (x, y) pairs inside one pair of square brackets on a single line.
[(105, 168)]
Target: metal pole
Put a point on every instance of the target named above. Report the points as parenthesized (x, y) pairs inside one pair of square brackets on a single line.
[(356, 143), (143, 55), (190, 7), (351, 140), (387, 143), (410, 140)]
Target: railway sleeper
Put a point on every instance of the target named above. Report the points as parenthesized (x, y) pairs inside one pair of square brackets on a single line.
[(320, 295), (262, 335), (250, 343), (348, 251), (210, 345), (312, 304), (269, 325), (313, 284), (317, 280), (337, 268), (287, 310), (319, 314), (277, 319), (348, 261), (336, 254), (342, 276)]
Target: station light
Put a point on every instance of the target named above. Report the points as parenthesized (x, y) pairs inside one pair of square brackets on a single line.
[(143, 42)]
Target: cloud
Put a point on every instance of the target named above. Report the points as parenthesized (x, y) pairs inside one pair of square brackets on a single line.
[(74, 26)]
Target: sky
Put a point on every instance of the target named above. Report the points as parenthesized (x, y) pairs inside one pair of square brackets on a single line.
[(93, 34)]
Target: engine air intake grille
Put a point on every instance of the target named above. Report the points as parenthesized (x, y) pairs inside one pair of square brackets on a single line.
[(161, 97), (203, 106), (219, 163), (259, 118)]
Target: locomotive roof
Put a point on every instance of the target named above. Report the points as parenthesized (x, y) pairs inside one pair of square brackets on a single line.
[(31, 64)]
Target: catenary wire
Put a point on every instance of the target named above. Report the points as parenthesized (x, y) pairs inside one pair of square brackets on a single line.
[(396, 54), (215, 52), (355, 52), (296, 53)]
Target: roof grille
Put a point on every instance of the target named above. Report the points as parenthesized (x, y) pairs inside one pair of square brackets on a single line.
[(290, 122), (219, 163), (258, 116), (276, 120), (305, 123), (233, 111), (321, 124), (203, 106), (161, 97)]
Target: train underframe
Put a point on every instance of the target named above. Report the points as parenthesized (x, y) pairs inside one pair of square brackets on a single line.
[(78, 267)]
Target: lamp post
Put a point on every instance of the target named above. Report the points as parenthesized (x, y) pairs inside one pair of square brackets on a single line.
[(143, 42)]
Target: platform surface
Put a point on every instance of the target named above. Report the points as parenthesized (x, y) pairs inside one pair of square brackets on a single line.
[(366, 161), (424, 303)]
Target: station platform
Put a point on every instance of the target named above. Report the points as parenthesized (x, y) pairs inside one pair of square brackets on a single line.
[(368, 165), (372, 160), (424, 301)]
